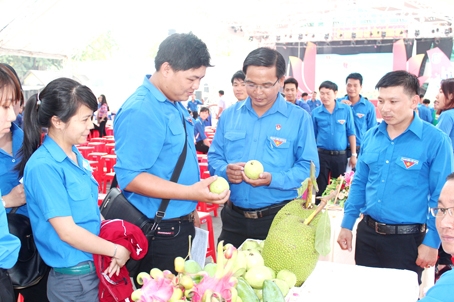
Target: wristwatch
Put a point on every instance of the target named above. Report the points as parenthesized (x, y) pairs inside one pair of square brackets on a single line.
[(354, 154)]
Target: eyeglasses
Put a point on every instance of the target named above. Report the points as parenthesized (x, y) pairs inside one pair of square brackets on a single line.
[(440, 212), (265, 86)]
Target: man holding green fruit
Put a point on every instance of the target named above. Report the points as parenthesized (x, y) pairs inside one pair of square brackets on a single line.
[(264, 130)]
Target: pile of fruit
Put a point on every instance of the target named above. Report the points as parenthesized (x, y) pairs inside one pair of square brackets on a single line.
[(238, 276)]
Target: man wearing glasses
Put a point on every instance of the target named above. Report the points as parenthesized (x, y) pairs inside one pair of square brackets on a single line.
[(267, 128), (403, 164), (444, 221)]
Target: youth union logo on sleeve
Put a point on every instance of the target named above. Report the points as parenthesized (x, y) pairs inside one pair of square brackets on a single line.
[(409, 162)]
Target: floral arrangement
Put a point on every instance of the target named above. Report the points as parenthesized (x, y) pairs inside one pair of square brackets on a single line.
[(337, 191)]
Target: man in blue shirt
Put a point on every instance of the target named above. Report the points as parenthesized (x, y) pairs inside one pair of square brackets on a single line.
[(334, 128), (269, 129), (202, 144), (238, 85), (291, 93), (314, 102), (193, 106), (363, 110), (444, 220), (424, 112), (403, 165), (151, 129)]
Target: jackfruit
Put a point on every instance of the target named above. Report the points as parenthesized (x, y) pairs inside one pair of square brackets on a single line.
[(290, 245)]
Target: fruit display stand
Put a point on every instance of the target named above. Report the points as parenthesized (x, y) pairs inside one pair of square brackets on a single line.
[(345, 257)]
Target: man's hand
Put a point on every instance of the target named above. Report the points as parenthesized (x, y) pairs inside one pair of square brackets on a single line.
[(427, 256), (16, 197), (345, 239), (202, 192), (263, 180), (235, 173)]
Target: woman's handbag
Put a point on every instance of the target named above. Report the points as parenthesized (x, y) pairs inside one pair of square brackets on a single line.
[(30, 268)]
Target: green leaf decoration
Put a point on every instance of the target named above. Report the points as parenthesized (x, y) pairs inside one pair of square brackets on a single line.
[(323, 234)]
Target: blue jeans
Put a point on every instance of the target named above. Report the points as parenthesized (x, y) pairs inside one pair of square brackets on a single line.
[(169, 241)]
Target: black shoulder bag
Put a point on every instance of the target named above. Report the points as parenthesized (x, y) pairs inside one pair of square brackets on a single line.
[(116, 206), (30, 268)]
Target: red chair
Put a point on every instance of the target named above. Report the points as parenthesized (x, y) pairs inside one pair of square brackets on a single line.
[(98, 172), (109, 131), (208, 207), (85, 150), (108, 172), (99, 146), (110, 148), (205, 218)]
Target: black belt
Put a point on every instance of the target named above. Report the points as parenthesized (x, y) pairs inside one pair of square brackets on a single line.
[(258, 213), (331, 152), (189, 217), (394, 229)]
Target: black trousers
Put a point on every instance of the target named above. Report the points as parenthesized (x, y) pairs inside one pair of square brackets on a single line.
[(236, 228), (6, 287), (170, 241), (35, 293), (334, 164), (387, 251), (201, 147), (195, 114)]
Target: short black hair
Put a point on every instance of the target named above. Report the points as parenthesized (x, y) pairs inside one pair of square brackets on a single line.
[(426, 101), (204, 109), (355, 76), (221, 92), (328, 85), (291, 81), (182, 52), (408, 81), (266, 57), (304, 94), (239, 75)]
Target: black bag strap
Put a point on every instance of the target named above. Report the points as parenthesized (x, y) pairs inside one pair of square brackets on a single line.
[(13, 210), (175, 175)]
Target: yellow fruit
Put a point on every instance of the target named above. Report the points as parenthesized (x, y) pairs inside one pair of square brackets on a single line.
[(179, 264)]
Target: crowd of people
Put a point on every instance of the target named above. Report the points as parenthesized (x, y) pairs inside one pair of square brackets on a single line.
[(402, 187)]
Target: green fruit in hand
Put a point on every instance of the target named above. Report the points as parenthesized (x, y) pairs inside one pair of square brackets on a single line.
[(191, 267), (287, 276), (253, 169), (219, 185), (283, 286), (256, 275)]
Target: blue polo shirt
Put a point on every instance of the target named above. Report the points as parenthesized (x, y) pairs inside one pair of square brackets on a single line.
[(282, 139), (303, 105), (443, 290), (193, 106), (397, 180), (314, 104), (9, 244), (149, 137), (207, 122), (56, 186), (364, 117), (9, 177), (199, 130), (446, 124), (424, 113), (333, 129)]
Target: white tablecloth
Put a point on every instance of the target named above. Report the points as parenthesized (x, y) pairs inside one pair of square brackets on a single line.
[(340, 256)]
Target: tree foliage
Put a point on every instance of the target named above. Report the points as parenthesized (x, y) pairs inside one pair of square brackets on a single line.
[(22, 64)]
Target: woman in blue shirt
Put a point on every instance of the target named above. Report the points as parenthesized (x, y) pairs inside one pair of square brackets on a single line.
[(61, 192), (10, 94)]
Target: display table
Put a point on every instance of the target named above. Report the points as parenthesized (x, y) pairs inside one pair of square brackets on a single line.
[(338, 255), (332, 281)]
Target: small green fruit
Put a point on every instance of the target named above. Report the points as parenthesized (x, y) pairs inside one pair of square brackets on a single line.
[(253, 169), (219, 185)]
